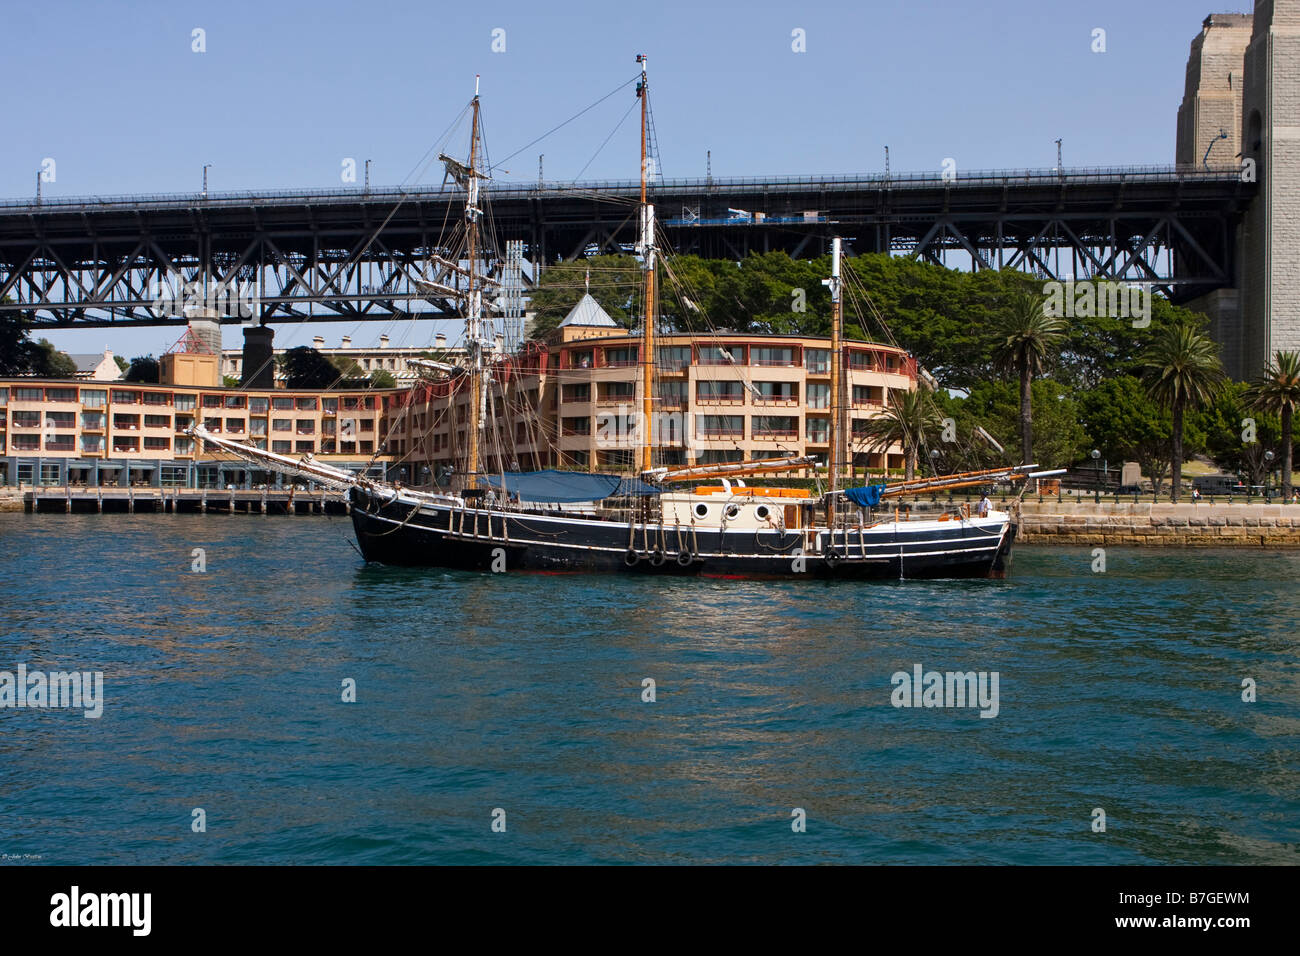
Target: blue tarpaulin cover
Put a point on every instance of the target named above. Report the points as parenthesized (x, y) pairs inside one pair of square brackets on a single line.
[(867, 496), (557, 487)]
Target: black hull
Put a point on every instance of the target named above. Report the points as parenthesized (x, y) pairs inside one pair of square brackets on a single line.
[(400, 533)]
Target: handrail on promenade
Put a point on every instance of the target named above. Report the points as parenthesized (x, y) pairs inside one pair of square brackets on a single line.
[(835, 183)]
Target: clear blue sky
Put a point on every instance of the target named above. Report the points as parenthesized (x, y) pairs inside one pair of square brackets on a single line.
[(287, 90)]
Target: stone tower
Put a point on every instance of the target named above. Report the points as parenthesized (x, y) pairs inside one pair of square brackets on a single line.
[(1209, 119), (1269, 248), (1242, 106)]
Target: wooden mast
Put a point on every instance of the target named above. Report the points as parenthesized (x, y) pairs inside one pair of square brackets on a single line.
[(473, 316), (647, 249), (837, 410)]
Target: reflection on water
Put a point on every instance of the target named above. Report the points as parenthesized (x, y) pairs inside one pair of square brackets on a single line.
[(1119, 690)]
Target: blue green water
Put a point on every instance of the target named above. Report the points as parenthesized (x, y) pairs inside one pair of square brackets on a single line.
[(1118, 690)]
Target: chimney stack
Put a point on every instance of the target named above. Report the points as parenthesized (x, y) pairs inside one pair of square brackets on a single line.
[(383, 341), (318, 342), (440, 341), (346, 342)]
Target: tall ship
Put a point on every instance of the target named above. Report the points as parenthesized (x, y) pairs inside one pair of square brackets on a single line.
[(712, 520)]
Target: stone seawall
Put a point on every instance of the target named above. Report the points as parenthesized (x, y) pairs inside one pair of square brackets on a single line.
[(1161, 525)]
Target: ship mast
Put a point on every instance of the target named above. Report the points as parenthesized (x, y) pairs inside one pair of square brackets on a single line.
[(646, 247), (837, 322), (474, 306)]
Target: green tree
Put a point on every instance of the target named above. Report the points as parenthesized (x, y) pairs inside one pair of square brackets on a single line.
[(19, 355), (1059, 441), (909, 419), (1027, 337), (1277, 391), (1125, 424), (382, 378), (143, 368), (1181, 371), (305, 367), (615, 284)]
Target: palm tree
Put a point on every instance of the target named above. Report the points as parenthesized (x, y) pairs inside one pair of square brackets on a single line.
[(907, 420), (1026, 337), (1181, 370), (1278, 391)]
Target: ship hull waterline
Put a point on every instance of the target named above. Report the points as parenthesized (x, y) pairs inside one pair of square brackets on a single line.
[(395, 531)]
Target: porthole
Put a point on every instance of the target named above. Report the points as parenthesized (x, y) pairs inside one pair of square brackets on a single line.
[(701, 510), (762, 512), (732, 511)]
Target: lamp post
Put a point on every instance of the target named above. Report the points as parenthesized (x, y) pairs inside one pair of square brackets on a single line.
[(1268, 472), (934, 462), (1096, 496)]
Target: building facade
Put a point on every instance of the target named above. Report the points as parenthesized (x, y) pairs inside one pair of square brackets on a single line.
[(576, 404), (394, 359), (57, 432)]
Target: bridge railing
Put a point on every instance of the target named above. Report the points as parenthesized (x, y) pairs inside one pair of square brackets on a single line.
[(838, 183)]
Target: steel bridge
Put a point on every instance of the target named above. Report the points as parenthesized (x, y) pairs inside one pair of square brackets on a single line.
[(354, 253)]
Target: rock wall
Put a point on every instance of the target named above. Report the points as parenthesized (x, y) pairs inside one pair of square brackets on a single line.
[(1162, 525)]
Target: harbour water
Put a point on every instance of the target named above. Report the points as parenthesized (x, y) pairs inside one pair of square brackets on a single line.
[(1118, 690)]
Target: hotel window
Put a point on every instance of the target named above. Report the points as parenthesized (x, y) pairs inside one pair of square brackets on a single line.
[(29, 395), (817, 361), (719, 457), (621, 357), (580, 359), (55, 442), (671, 394), (367, 447), (775, 426), (212, 424), (282, 404), (575, 393), (235, 401), (867, 395), (173, 476), (157, 444), (184, 403), (330, 404), (306, 446), (122, 443), (282, 424), (616, 391), (577, 458), (818, 430), (92, 443), (819, 396), (26, 419), (235, 425), (281, 447), (771, 356), (720, 426), (367, 424), (615, 459), (674, 358), (92, 419), (60, 420), (862, 361), (51, 474), (307, 426), (778, 391), (157, 421), (4, 396), (259, 443), (93, 397), (576, 426), (184, 446), (328, 426), (211, 401), (718, 354), (257, 426), (60, 394), (713, 391), (25, 442), (258, 405), (305, 404), (326, 446), (157, 398)]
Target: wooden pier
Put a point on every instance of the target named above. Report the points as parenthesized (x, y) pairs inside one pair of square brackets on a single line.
[(272, 501)]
